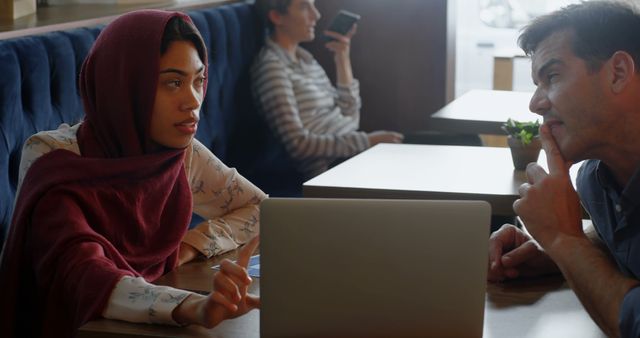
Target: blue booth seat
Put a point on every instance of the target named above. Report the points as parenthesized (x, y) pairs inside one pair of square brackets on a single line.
[(39, 91)]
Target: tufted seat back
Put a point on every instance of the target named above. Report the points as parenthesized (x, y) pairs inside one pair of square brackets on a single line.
[(39, 91)]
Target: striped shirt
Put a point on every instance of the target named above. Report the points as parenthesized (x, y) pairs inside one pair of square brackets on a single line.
[(316, 122)]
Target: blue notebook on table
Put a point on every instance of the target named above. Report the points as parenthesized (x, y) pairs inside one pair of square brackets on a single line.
[(253, 268)]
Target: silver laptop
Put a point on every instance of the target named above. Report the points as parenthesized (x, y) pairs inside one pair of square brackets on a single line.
[(373, 268)]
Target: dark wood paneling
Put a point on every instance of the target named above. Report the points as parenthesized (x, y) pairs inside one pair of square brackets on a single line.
[(402, 55)]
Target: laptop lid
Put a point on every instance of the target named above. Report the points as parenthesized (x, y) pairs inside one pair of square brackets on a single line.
[(385, 268)]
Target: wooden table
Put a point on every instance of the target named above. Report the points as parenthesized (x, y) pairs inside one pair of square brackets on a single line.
[(543, 307), (195, 276), (540, 308), (483, 112), (409, 171)]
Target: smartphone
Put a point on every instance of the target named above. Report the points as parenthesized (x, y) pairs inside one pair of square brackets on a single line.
[(342, 23)]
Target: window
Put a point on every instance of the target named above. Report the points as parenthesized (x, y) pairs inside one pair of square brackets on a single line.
[(516, 13), (486, 28)]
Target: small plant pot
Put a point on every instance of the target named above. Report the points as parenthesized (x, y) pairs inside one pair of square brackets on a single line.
[(524, 154)]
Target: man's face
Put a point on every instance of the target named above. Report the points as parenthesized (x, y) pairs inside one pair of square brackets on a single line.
[(299, 23), (571, 98), (178, 97)]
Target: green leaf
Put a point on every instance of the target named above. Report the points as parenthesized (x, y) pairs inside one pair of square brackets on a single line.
[(523, 131)]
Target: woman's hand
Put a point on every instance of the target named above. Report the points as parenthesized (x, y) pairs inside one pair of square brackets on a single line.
[(340, 47), (341, 44), (230, 297), (383, 136), (186, 253)]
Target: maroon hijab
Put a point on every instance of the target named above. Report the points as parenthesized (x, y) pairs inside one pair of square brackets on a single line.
[(82, 222)]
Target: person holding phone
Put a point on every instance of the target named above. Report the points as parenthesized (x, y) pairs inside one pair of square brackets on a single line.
[(317, 122)]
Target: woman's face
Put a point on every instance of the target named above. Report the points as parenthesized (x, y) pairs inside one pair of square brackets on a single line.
[(299, 23), (180, 92)]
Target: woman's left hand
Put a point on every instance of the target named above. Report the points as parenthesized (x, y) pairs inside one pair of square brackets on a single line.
[(230, 297)]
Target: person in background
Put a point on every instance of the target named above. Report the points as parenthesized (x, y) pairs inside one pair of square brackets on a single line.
[(586, 67), (317, 122), (103, 206)]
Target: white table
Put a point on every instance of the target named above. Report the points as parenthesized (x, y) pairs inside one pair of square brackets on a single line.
[(410, 171), (483, 112)]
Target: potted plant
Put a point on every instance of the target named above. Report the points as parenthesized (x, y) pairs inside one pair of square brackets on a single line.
[(523, 141)]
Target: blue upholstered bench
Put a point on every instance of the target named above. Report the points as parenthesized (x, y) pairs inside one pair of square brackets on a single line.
[(38, 91)]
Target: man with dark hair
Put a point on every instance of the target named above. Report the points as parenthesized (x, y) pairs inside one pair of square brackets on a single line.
[(586, 66)]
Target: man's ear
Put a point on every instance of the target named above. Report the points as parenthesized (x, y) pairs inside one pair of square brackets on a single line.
[(623, 70)]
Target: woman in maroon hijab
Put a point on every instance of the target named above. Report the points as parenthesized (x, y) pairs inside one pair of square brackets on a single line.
[(104, 206)]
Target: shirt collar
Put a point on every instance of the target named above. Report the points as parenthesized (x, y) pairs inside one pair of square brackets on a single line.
[(302, 55), (605, 178), (629, 194)]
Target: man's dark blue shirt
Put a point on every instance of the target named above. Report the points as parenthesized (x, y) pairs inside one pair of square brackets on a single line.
[(615, 212)]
